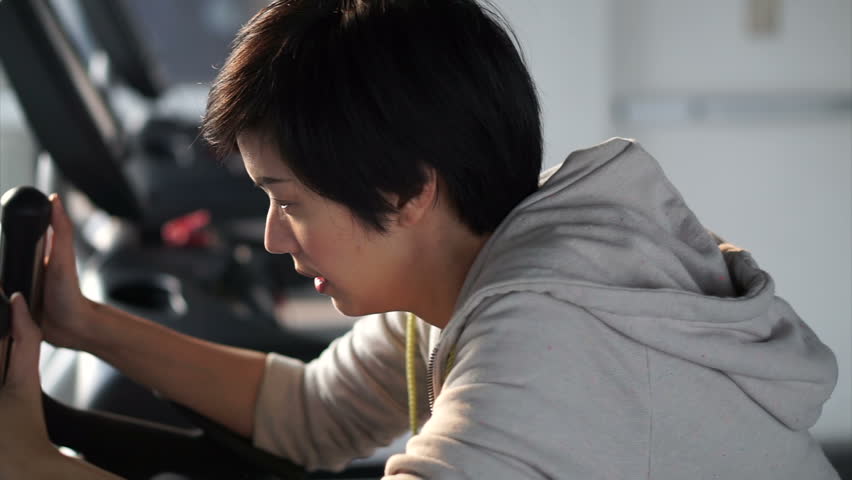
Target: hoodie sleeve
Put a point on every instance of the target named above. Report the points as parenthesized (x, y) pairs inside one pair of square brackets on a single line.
[(539, 389), (343, 405)]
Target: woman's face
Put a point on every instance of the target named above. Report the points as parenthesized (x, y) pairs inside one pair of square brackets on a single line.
[(361, 270)]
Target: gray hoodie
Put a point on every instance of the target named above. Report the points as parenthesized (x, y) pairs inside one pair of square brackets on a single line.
[(601, 333)]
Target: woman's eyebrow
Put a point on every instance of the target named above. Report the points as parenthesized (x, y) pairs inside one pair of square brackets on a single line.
[(264, 181)]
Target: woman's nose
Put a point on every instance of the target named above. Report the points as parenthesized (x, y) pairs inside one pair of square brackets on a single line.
[(278, 236)]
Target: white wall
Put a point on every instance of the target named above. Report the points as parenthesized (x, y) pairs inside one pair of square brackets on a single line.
[(690, 44), (567, 48)]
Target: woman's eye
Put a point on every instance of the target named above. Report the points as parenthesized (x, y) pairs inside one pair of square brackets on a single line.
[(284, 206)]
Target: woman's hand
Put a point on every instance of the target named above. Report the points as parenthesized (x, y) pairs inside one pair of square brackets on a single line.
[(23, 434), (25, 448), (65, 312)]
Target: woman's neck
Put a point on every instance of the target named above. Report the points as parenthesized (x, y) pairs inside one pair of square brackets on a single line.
[(441, 275)]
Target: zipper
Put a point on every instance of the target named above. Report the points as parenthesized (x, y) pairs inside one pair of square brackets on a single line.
[(430, 391)]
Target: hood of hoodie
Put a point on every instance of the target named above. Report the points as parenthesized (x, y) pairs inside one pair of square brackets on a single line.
[(608, 232)]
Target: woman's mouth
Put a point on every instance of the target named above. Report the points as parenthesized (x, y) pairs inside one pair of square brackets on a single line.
[(320, 284)]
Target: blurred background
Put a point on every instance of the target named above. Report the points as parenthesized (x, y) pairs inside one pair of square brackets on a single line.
[(747, 104)]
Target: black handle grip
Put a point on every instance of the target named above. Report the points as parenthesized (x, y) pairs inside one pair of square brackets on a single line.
[(24, 218)]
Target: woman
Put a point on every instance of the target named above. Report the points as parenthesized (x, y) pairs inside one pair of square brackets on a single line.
[(581, 324)]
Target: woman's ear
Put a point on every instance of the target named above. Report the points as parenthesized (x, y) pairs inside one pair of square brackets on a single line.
[(412, 211)]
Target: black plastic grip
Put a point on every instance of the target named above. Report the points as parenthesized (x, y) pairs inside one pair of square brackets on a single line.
[(24, 218)]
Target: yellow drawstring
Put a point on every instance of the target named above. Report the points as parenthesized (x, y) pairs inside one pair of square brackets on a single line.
[(410, 373)]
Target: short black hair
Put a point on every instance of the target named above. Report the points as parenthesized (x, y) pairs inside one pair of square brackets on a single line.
[(361, 96)]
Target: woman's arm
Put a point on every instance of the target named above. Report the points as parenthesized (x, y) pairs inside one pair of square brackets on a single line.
[(217, 381)]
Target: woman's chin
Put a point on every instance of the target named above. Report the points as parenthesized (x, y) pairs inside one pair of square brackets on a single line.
[(351, 309), (345, 308)]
